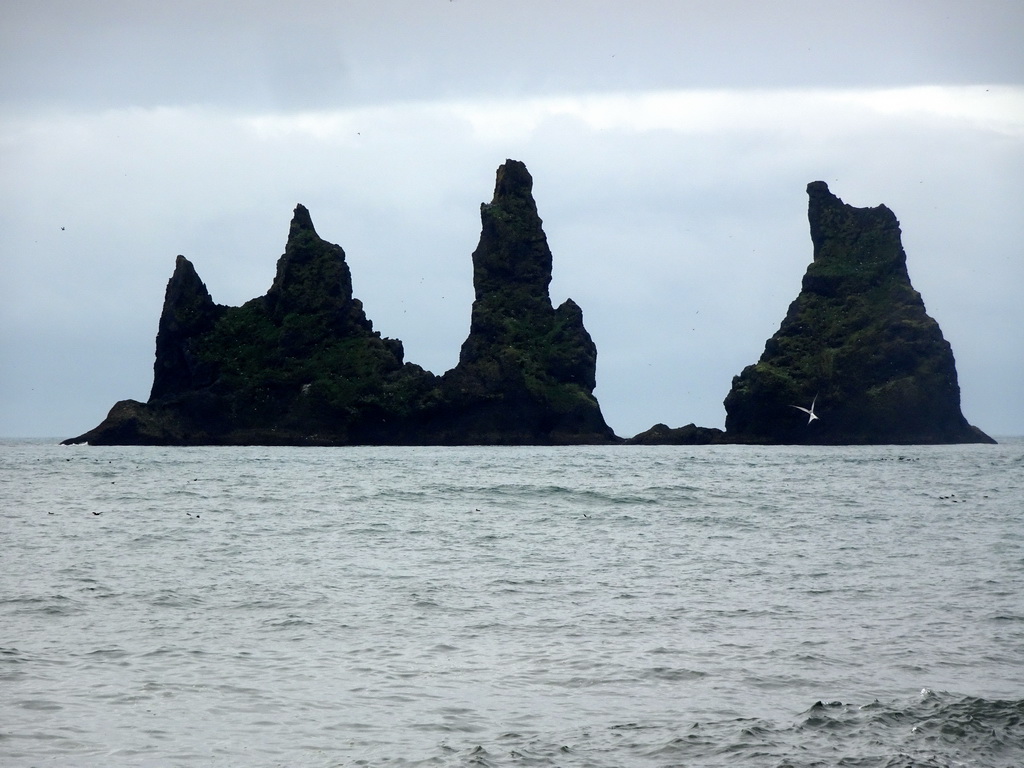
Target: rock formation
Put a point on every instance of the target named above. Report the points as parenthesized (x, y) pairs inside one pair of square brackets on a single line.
[(527, 371), (691, 434), (857, 342), (302, 365)]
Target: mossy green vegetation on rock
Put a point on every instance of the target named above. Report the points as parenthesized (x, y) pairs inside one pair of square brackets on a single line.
[(302, 364), (857, 342)]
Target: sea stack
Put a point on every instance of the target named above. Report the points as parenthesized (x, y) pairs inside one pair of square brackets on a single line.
[(527, 370), (857, 342)]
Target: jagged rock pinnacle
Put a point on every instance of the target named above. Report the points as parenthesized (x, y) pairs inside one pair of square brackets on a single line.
[(313, 278), (188, 312), (301, 220), (513, 180), (527, 371), (513, 254)]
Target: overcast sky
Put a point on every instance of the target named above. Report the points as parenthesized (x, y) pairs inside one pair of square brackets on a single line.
[(670, 145)]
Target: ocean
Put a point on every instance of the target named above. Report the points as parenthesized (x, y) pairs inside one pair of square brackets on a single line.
[(480, 606)]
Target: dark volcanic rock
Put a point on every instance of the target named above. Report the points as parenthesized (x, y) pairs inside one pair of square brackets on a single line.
[(691, 434), (857, 339), (302, 365), (526, 373), (188, 313)]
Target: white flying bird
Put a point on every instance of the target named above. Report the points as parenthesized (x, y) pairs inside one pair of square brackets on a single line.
[(809, 411)]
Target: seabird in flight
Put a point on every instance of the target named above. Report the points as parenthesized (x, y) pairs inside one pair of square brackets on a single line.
[(809, 411)]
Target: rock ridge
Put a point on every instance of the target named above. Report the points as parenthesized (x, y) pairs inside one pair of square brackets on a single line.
[(302, 364)]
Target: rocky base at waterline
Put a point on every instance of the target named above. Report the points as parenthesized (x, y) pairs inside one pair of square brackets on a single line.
[(856, 347), (302, 365), (691, 434)]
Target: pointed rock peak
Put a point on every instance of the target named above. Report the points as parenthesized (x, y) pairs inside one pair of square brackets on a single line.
[(313, 278), (185, 281), (301, 221), (183, 266), (188, 312), (513, 180), (513, 254)]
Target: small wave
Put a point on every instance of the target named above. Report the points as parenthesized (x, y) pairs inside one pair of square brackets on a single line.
[(172, 599), (975, 730), (931, 731), (1006, 617), (164, 650), (291, 621), (52, 605), (39, 705), (556, 494), (673, 674)]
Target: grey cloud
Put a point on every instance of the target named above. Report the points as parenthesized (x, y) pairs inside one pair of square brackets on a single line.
[(300, 55)]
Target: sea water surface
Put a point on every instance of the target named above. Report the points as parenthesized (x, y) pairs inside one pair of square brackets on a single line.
[(572, 606)]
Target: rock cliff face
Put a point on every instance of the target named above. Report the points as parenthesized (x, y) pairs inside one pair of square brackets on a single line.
[(302, 365), (856, 342)]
